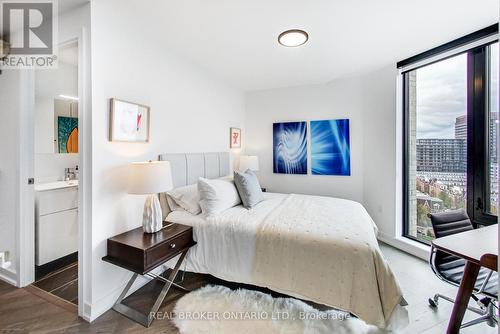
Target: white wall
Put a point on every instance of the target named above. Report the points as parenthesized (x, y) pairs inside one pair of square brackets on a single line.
[(368, 101), (380, 173), (10, 103), (50, 167), (190, 112), (341, 99)]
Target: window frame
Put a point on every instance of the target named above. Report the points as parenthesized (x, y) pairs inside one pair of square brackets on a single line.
[(477, 144), (476, 45)]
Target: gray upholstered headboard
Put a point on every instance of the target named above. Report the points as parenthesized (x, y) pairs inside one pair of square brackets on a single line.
[(188, 167)]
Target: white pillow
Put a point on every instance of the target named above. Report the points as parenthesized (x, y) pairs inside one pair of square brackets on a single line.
[(217, 195), (186, 198)]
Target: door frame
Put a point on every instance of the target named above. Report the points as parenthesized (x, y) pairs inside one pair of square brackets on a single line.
[(26, 228)]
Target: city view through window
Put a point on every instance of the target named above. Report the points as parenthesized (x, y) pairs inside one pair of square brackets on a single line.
[(437, 141)]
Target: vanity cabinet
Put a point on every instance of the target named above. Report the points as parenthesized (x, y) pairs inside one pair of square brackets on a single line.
[(56, 224)]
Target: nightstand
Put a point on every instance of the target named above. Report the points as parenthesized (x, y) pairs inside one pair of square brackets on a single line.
[(140, 253)]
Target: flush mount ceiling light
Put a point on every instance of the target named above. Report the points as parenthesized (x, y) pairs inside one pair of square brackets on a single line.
[(293, 37)]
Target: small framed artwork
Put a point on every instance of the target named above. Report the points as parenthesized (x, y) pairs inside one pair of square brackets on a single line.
[(129, 122), (235, 138)]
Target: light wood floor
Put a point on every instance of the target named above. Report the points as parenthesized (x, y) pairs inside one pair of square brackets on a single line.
[(419, 283), (23, 311)]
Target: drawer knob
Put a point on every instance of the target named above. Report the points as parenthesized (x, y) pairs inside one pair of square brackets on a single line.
[(172, 246)]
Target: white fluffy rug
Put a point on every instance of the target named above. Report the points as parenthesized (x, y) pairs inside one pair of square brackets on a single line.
[(217, 309)]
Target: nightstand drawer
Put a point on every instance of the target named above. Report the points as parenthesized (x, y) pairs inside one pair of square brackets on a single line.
[(164, 251), (142, 252)]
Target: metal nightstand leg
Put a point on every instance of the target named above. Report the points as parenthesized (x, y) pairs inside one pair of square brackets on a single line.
[(141, 318), (166, 280)]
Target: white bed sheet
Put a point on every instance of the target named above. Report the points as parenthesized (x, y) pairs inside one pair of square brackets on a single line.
[(227, 246), (226, 242)]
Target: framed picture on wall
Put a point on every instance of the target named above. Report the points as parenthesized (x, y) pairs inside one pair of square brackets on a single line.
[(235, 138), (67, 134), (290, 148), (129, 122), (330, 147)]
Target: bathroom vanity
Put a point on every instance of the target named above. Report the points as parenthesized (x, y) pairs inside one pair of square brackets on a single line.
[(56, 223)]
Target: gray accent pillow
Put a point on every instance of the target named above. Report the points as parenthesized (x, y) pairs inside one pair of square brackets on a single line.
[(249, 188)]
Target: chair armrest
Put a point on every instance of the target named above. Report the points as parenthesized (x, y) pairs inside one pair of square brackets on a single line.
[(432, 258)]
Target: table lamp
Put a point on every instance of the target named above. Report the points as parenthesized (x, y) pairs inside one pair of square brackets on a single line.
[(150, 178), (249, 162)]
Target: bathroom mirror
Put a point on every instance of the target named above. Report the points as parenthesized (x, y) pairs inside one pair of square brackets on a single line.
[(65, 126), (56, 105)]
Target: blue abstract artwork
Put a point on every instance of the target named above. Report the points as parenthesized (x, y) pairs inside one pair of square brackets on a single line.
[(330, 149), (290, 148)]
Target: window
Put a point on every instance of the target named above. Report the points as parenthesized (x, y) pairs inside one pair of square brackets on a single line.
[(482, 175), (450, 132), (492, 133)]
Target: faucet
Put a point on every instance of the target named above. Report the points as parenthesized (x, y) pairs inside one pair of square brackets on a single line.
[(69, 174)]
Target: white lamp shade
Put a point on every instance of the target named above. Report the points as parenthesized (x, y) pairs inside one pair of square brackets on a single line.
[(249, 162), (150, 177)]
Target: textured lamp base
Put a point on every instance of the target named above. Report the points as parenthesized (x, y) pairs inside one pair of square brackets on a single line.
[(151, 217)]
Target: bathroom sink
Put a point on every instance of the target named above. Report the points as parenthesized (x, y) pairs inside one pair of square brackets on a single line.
[(55, 185)]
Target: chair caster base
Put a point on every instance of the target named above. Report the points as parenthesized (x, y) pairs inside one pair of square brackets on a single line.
[(434, 301)]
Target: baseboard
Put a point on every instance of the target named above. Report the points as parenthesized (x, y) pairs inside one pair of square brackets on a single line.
[(406, 245), (86, 313), (8, 276), (45, 269)]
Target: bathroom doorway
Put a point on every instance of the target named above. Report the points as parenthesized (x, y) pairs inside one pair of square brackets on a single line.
[(56, 176)]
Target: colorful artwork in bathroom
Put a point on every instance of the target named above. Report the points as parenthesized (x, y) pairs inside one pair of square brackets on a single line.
[(67, 134)]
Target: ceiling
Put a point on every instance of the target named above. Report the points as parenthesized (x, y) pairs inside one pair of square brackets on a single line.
[(68, 5), (236, 40)]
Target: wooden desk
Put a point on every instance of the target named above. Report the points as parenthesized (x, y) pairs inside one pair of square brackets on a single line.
[(479, 248)]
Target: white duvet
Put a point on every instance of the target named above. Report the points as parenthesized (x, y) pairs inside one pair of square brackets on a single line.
[(316, 248)]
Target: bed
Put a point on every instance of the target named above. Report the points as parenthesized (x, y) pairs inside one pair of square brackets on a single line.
[(320, 249)]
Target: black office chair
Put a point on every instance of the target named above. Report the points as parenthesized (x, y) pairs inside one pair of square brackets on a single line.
[(450, 268)]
